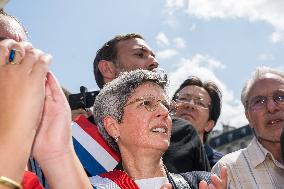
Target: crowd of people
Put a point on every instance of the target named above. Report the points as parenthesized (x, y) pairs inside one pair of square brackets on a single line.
[(161, 141)]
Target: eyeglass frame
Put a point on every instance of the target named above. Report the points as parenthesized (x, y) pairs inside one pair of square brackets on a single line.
[(263, 104), (157, 101), (193, 99)]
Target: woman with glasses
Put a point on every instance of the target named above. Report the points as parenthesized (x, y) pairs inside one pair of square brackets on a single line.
[(132, 113)]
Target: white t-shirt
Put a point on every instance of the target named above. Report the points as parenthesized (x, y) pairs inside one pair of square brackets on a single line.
[(153, 183)]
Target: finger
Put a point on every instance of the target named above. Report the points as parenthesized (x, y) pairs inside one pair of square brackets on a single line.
[(15, 56), (224, 173), (222, 181), (203, 185), (26, 45), (211, 186), (48, 93), (4, 53), (12, 52), (4, 50), (40, 68), (216, 181), (7, 43), (21, 47), (30, 58), (55, 88)]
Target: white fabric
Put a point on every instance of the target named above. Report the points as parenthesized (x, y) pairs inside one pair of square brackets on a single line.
[(252, 168), (153, 183), (93, 147)]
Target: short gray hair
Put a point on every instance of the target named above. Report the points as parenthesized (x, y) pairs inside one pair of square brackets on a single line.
[(113, 97), (258, 74)]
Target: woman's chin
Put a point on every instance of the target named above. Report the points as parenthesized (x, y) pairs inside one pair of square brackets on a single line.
[(162, 145)]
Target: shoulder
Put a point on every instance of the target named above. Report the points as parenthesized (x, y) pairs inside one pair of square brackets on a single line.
[(231, 161), (231, 158), (182, 129)]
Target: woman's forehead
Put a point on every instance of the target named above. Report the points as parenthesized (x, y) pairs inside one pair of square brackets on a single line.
[(149, 89)]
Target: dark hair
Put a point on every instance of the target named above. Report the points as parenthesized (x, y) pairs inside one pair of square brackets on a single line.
[(214, 93), (109, 52)]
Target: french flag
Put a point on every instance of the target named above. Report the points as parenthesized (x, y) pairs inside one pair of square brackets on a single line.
[(113, 180), (95, 154)]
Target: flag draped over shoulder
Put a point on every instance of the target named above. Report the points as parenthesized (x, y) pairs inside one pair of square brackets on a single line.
[(115, 180), (93, 151)]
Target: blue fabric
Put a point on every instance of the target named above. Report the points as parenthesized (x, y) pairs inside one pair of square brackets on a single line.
[(212, 155), (92, 166)]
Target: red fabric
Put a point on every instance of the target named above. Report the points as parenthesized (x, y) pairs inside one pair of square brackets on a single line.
[(93, 131), (30, 181), (121, 179)]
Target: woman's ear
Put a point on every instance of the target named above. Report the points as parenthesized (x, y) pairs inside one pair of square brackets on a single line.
[(111, 126), (108, 70)]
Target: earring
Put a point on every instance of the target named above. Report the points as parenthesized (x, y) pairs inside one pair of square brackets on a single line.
[(116, 138)]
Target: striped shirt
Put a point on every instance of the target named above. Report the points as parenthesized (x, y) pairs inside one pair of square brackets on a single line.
[(252, 168)]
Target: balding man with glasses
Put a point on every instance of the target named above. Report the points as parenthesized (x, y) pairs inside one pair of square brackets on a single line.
[(260, 165)]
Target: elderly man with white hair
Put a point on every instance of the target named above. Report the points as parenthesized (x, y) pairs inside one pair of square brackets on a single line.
[(260, 164)]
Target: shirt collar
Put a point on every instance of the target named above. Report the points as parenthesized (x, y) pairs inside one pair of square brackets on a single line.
[(258, 154)]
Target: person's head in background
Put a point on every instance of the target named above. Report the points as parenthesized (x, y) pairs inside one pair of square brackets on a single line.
[(263, 100), (11, 28), (119, 107), (199, 103), (122, 53)]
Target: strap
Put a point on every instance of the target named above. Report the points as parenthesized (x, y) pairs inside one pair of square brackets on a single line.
[(179, 181), (114, 179)]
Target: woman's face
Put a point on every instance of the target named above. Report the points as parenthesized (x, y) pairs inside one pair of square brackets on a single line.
[(146, 123)]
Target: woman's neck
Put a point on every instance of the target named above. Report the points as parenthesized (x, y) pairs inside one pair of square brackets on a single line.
[(142, 165)]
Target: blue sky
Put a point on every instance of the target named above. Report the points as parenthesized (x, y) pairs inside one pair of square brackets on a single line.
[(221, 40)]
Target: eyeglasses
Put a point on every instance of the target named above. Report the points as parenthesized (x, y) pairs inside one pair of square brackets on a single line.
[(196, 101), (150, 103), (260, 102)]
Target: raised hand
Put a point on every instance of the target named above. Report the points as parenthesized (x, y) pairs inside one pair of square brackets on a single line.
[(53, 147), (22, 86), (22, 83), (217, 183), (54, 135)]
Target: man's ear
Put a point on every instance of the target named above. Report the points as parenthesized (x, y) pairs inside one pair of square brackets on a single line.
[(111, 126), (108, 70), (248, 117), (210, 125)]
